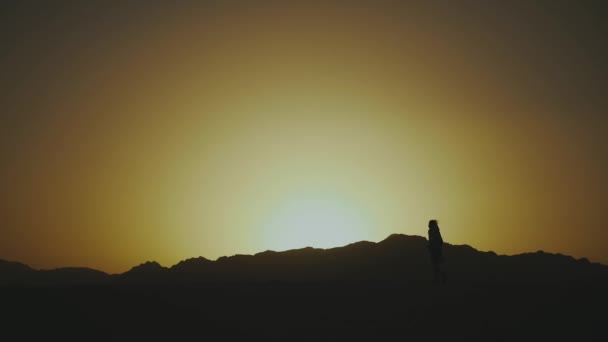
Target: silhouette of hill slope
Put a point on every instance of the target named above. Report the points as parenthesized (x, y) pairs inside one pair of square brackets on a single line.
[(361, 292), (13, 273), (397, 258)]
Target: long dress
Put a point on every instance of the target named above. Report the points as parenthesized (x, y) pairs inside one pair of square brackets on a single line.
[(435, 245)]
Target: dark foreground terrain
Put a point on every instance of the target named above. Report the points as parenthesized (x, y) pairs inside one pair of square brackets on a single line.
[(361, 292)]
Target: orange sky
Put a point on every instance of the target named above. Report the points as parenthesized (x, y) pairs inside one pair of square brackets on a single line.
[(132, 133)]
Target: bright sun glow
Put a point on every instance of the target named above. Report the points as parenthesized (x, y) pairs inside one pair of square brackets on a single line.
[(317, 222)]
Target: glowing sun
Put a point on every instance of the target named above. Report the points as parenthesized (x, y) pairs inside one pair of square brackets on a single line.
[(316, 222)]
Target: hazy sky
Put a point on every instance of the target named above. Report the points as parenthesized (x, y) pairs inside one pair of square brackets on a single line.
[(141, 130)]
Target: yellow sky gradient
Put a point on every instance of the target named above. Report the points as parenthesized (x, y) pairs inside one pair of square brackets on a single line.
[(167, 132)]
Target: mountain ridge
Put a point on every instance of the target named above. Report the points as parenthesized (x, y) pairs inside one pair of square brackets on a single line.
[(399, 256)]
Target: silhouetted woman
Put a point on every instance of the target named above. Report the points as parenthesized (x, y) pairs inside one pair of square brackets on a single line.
[(435, 249)]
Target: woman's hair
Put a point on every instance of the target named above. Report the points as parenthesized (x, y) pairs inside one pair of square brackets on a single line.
[(433, 223)]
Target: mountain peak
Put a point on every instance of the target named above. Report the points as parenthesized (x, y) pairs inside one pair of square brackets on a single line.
[(402, 238), (191, 264), (13, 266), (148, 266)]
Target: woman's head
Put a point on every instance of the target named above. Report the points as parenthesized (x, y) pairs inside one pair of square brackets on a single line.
[(433, 224)]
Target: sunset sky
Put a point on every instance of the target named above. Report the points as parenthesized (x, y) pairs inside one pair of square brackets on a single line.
[(161, 130)]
